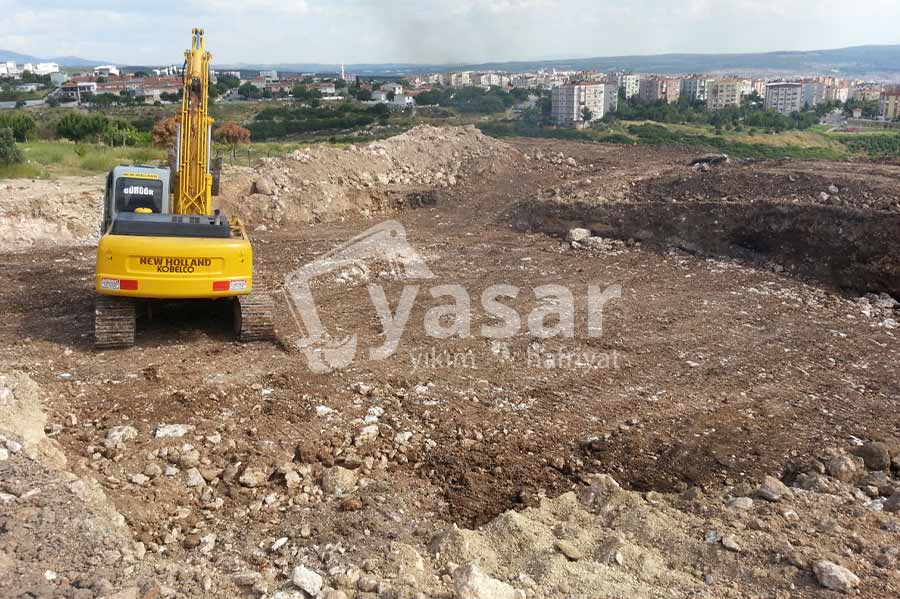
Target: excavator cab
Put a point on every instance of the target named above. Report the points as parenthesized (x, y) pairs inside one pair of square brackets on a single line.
[(137, 189)]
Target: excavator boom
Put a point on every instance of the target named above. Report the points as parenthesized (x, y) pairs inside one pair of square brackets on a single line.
[(194, 192)]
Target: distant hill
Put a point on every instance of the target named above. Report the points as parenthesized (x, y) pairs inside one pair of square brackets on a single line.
[(859, 61), (856, 62), (65, 61)]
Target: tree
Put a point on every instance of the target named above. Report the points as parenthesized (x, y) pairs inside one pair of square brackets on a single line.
[(79, 127), (586, 114), (20, 122), (232, 135), (9, 153), (165, 132)]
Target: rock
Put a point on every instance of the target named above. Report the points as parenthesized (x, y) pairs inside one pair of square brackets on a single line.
[(835, 577), (140, 479), (119, 434), (306, 580), (264, 185), (710, 159), (292, 480), (730, 543), (367, 584), (172, 430), (875, 456), (366, 435), (578, 235), (193, 478), (571, 161), (569, 550), (823, 197), (4, 454), (773, 489), (470, 582), (844, 468), (741, 503), (339, 481), (833, 189), (892, 503), (253, 477)]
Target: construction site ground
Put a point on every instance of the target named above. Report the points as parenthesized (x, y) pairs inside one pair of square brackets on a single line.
[(711, 373)]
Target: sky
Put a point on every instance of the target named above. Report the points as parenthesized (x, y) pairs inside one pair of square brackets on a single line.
[(434, 31)]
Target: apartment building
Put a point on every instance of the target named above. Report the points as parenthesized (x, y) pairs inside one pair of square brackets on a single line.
[(813, 93), (727, 92), (106, 70), (890, 104), (631, 84), (696, 89), (569, 101), (652, 90), (837, 93), (784, 97)]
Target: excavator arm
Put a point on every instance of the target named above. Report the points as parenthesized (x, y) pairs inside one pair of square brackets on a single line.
[(193, 194)]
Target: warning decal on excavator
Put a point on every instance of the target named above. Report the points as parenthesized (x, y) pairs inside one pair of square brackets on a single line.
[(139, 176), (175, 265)]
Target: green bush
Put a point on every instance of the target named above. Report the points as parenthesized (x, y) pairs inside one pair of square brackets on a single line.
[(21, 123), (9, 153), (82, 127)]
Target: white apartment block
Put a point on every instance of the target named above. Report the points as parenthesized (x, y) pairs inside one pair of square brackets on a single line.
[(632, 85), (837, 93), (696, 89), (106, 70), (568, 102), (727, 92), (784, 97)]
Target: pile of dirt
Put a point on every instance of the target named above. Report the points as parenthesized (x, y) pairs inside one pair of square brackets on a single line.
[(322, 184), (60, 535), (59, 212), (867, 186)]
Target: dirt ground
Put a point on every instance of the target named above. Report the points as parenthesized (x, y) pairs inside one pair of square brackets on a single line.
[(710, 374)]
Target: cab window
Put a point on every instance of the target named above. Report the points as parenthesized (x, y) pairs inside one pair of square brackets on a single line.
[(132, 194)]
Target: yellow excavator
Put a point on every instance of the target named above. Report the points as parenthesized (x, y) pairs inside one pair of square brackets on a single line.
[(162, 244)]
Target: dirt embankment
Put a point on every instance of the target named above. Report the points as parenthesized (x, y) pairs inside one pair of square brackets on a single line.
[(323, 184), (58, 212)]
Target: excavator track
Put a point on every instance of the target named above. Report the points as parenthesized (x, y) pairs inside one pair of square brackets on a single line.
[(254, 317), (114, 322)]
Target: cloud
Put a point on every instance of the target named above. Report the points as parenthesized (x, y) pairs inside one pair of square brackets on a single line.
[(272, 31)]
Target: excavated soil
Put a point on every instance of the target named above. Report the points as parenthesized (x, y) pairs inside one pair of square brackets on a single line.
[(711, 373)]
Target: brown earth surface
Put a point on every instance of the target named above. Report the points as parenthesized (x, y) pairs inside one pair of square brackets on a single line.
[(710, 374)]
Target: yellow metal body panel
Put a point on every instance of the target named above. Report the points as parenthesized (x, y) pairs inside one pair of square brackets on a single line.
[(193, 195), (174, 267)]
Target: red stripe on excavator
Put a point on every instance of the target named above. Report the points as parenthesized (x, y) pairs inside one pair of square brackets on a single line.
[(128, 285), (221, 285)]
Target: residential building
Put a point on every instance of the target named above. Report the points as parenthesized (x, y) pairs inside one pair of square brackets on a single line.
[(27, 87), (759, 86), (106, 70), (59, 78), (837, 93), (152, 88), (569, 101), (673, 90), (866, 93), (696, 89), (392, 87), (890, 104), (379, 95), (813, 93), (9, 69), (610, 97), (77, 89), (726, 92), (42, 68), (784, 97), (655, 89), (631, 84), (652, 90), (268, 76)]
